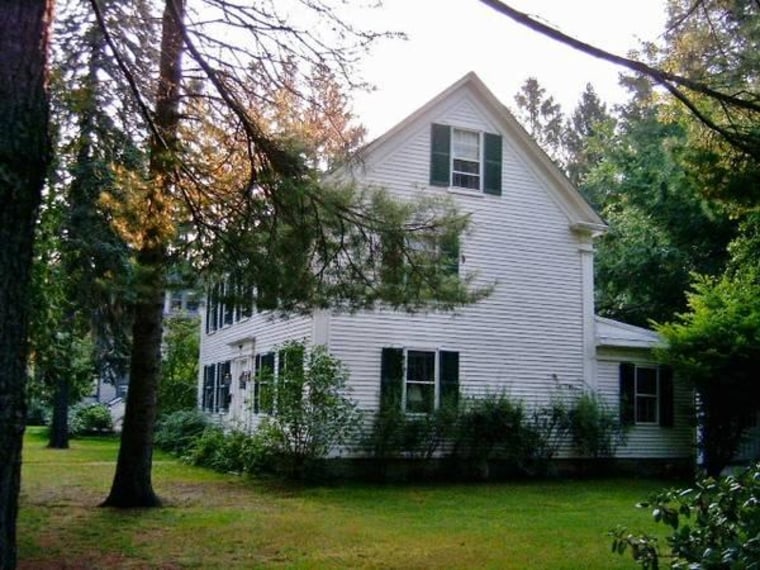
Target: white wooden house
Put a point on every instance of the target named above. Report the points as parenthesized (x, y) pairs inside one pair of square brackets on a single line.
[(531, 233)]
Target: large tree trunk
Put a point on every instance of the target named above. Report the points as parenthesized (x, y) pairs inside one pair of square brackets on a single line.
[(132, 486), (24, 159), (59, 427)]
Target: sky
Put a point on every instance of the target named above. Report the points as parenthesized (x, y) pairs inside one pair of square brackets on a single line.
[(449, 38)]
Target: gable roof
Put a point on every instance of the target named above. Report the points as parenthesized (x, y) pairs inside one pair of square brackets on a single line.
[(579, 212), (622, 335)]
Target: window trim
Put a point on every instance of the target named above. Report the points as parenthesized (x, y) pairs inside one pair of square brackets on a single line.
[(490, 160), (453, 157), (394, 374), (646, 395), (406, 381)]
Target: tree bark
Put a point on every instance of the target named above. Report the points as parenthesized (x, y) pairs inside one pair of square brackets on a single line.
[(132, 486), (59, 427), (24, 159)]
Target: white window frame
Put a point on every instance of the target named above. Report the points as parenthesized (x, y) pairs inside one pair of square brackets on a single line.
[(436, 379), (454, 172), (648, 395)]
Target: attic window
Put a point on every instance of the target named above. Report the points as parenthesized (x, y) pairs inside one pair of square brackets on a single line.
[(461, 158), (465, 159)]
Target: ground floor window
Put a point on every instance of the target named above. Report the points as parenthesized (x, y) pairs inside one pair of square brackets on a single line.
[(419, 381), (271, 382), (646, 394), (217, 379)]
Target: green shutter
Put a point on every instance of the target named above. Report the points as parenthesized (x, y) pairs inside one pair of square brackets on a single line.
[(256, 383), (267, 395), (449, 377), (666, 396), (391, 378), (627, 393), (492, 164), (440, 159)]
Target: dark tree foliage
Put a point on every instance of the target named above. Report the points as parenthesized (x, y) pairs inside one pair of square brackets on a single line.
[(584, 136)]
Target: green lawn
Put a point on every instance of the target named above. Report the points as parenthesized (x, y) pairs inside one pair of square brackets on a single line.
[(223, 521)]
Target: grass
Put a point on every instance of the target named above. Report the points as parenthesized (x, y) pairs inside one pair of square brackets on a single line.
[(212, 520)]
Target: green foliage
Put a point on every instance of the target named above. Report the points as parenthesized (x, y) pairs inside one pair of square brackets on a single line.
[(714, 526), (231, 451), (661, 228), (178, 387), (479, 430), (595, 427), (90, 419), (176, 432), (716, 347), (312, 415), (394, 434), (494, 427), (550, 425)]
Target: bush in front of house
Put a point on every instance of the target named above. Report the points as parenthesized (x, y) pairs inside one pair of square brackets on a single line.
[(595, 428), (177, 432), (90, 419), (495, 427), (312, 414), (394, 434), (713, 525), (232, 451)]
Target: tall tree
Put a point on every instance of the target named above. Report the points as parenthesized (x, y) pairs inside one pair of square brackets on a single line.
[(24, 158), (541, 116), (263, 216), (585, 134), (661, 228)]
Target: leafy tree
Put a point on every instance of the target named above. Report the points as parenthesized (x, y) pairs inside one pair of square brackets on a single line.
[(179, 379), (662, 229), (262, 214), (541, 116), (61, 349), (585, 134), (716, 347), (24, 160)]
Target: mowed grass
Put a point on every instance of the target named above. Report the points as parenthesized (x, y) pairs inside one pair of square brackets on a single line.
[(211, 520)]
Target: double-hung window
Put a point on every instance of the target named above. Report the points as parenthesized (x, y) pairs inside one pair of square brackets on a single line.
[(418, 381), (646, 394), (419, 385), (465, 158)]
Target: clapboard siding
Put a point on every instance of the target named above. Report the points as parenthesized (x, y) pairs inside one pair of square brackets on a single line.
[(267, 331), (530, 328), (648, 441), (532, 338)]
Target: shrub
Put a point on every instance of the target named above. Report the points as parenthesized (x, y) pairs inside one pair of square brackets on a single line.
[(494, 427), (228, 452), (396, 434), (596, 429), (90, 419), (714, 525), (177, 432), (550, 424), (311, 415)]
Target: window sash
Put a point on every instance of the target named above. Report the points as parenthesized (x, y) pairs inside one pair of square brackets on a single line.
[(647, 395), (466, 159), (420, 394)]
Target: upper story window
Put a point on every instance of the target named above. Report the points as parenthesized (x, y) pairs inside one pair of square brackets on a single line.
[(467, 159)]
